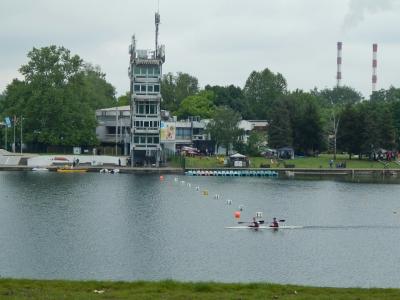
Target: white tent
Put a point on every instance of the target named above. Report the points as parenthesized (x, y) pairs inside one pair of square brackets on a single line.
[(238, 155)]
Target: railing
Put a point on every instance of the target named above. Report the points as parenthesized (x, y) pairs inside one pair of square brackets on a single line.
[(146, 130)]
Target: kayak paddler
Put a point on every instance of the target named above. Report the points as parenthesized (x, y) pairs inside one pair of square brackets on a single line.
[(275, 223), (255, 224)]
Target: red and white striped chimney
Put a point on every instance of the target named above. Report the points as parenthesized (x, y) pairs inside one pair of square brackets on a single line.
[(339, 63), (374, 65)]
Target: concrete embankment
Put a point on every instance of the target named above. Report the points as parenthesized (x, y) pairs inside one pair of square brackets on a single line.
[(281, 172), (96, 169)]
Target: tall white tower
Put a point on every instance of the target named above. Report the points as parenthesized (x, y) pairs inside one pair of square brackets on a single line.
[(145, 71)]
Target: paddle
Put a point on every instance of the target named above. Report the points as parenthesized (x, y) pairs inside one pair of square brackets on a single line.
[(260, 222)]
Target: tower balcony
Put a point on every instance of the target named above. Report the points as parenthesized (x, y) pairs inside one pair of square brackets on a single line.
[(146, 97), (145, 130)]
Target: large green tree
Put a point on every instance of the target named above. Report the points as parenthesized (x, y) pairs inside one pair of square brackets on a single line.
[(332, 102), (201, 105), (2, 98), (223, 128), (261, 90), (175, 88), (349, 137), (389, 101), (390, 95), (339, 95), (57, 98), (124, 99), (98, 92), (395, 109), (231, 96), (280, 127), (308, 136)]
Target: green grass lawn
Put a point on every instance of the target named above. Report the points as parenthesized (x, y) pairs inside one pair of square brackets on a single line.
[(42, 289), (322, 161)]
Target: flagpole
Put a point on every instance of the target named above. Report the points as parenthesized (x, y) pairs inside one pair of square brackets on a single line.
[(15, 121), (21, 134)]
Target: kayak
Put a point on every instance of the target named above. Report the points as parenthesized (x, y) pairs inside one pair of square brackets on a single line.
[(265, 227), (70, 170), (40, 169)]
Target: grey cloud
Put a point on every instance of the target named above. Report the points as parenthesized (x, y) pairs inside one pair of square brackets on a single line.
[(220, 42)]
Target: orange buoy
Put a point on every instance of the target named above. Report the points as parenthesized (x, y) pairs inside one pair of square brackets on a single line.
[(237, 214)]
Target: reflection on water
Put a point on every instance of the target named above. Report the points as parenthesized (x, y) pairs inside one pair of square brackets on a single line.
[(131, 227)]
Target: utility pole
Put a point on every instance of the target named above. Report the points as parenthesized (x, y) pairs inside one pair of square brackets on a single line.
[(21, 134), (15, 121), (5, 142), (116, 130)]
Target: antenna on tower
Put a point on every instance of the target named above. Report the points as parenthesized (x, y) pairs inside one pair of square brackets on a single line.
[(374, 66), (339, 64), (157, 22)]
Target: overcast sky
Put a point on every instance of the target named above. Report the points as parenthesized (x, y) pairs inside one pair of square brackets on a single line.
[(218, 41)]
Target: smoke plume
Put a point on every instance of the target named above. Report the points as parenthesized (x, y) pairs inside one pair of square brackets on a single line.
[(359, 9)]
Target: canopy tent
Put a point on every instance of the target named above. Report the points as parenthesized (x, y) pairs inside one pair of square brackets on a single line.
[(238, 155), (238, 160)]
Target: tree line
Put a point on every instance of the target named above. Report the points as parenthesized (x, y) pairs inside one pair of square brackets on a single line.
[(309, 121), (55, 102), (59, 94)]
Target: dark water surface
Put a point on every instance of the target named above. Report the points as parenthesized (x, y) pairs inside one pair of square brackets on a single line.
[(131, 227)]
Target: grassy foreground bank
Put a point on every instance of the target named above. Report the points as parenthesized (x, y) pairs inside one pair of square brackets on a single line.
[(55, 289)]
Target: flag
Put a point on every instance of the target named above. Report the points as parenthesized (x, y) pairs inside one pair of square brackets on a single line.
[(8, 122)]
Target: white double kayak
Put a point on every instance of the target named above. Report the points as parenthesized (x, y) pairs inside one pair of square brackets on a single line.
[(40, 169), (265, 227)]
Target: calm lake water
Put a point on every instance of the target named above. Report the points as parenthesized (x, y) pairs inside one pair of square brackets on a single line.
[(131, 227)]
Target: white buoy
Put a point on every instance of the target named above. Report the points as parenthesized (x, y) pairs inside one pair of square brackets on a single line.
[(189, 185), (216, 196), (229, 201), (183, 182), (197, 188), (259, 214), (176, 178)]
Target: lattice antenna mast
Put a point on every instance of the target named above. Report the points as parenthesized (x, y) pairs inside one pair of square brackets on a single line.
[(157, 22)]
